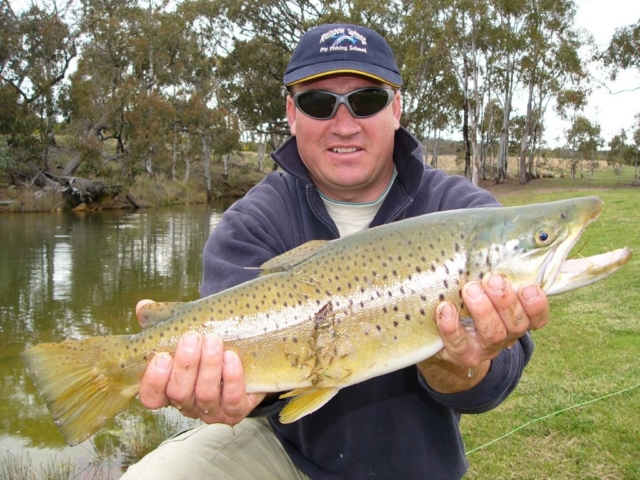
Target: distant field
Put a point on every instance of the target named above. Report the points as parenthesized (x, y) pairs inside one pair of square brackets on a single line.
[(577, 407)]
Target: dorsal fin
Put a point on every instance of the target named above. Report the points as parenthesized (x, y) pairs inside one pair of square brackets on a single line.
[(293, 257), (153, 313)]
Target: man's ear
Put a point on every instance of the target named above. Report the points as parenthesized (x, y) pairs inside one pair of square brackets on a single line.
[(397, 108), (292, 114)]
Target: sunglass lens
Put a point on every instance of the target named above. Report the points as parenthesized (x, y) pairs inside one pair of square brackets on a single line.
[(365, 103), (317, 104)]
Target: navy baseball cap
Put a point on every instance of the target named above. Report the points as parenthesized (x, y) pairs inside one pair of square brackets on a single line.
[(342, 48)]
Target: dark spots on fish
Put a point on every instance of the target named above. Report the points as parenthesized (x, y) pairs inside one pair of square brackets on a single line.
[(431, 246), (274, 301), (423, 298), (161, 334), (422, 312), (390, 293), (457, 247), (394, 273), (407, 317), (395, 323), (379, 328), (385, 277), (175, 329), (122, 366), (255, 355), (294, 339), (194, 319), (395, 308), (126, 347), (446, 284), (433, 267), (481, 275), (441, 297), (384, 309), (135, 350)]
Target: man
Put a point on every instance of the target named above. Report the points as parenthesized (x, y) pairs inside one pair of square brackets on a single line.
[(348, 166)]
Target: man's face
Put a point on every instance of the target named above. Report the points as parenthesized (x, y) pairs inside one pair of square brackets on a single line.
[(349, 159)]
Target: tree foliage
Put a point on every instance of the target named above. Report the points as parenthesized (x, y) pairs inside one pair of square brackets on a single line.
[(159, 85)]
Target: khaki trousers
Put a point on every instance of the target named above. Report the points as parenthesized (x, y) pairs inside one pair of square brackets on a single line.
[(248, 451)]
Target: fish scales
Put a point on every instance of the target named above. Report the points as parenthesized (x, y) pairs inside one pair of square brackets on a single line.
[(329, 314)]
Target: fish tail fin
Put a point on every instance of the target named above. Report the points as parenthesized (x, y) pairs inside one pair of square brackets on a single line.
[(83, 383)]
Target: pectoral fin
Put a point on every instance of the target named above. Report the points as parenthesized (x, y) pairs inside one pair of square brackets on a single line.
[(304, 402)]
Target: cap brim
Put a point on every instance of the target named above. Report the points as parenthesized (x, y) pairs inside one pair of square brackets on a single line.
[(313, 72)]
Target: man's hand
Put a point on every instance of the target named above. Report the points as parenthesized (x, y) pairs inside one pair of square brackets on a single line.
[(500, 315), (202, 380)]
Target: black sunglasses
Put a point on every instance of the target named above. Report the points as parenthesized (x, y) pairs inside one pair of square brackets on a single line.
[(361, 103)]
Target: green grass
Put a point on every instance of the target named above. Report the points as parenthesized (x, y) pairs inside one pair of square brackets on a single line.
[(577, 408)]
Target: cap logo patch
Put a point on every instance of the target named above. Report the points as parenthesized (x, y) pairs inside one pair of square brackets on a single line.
[(343, 39)]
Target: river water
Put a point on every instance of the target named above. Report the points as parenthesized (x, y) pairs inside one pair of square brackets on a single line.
[(74, 275)]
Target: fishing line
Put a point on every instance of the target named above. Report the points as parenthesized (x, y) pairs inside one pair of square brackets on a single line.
[(539, 419)]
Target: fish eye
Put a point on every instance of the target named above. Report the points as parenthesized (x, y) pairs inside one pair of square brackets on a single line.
[(543, 237)]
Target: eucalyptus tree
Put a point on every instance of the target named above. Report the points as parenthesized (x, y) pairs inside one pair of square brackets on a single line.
[(550, 63), (38, 47), (623, 51), (584, 139), (431, 92), (636, 143)]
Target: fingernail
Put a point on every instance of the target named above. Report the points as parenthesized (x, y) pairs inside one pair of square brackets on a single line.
[(190, 341), (162, 361), (497, 283), (446, 312), (474, 290), (228, 358), (530, 293), (212, 344)]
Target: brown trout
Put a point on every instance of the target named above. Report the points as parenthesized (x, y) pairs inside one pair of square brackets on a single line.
[(327, 315)]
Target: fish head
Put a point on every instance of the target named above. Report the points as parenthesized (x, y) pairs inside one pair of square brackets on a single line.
[(529, 244)]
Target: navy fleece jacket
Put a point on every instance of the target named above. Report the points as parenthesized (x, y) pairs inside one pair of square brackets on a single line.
[(389, 427)]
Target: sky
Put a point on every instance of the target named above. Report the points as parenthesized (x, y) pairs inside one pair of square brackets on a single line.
[(612, 111)]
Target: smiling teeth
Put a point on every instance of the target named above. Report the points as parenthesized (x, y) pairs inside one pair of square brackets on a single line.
[(344, 150)]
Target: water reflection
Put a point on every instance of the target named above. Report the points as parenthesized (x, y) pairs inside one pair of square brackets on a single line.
[(76, 275)]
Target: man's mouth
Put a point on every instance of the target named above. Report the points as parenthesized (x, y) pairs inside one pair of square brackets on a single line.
[(344, 150)]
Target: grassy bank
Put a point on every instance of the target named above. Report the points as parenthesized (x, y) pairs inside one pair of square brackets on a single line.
[(574, 414)]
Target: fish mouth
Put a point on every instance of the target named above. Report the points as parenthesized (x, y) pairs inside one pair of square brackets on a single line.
[(558, 275), (580, 272)]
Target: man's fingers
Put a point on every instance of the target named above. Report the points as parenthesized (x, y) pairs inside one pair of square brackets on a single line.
[(154, 381), (490, 328), (234, 397), (536, 305), (186, 363), (459, 347), (208, 383)]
